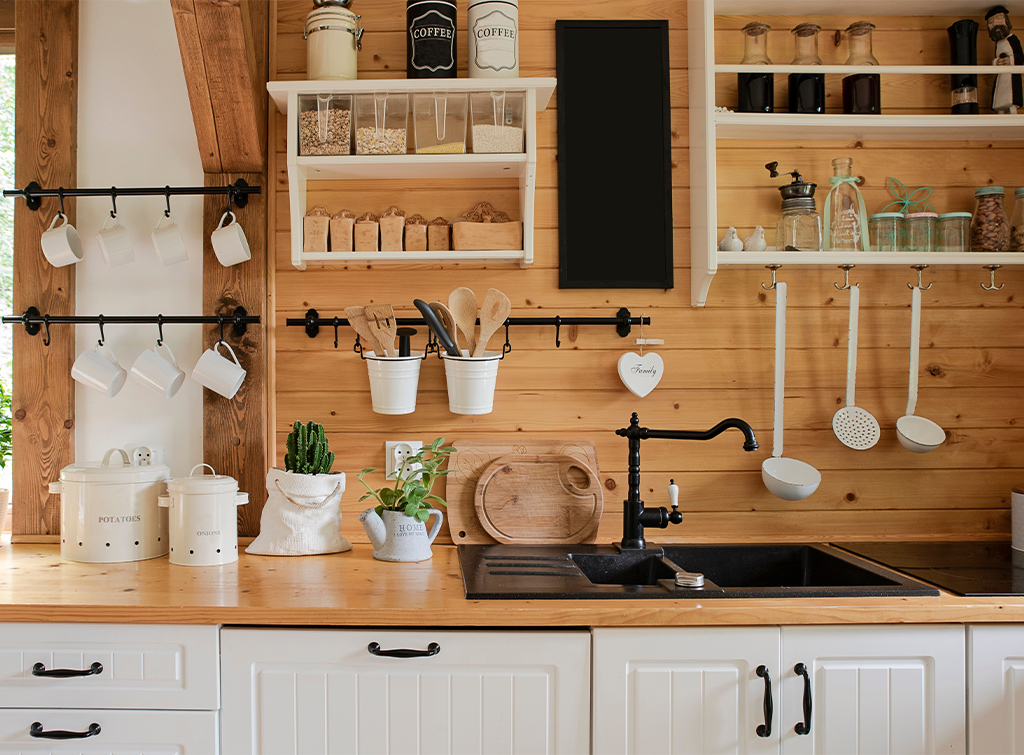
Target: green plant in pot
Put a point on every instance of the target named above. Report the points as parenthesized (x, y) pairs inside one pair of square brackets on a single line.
[(302, 514), (396, 525), (5, 449)]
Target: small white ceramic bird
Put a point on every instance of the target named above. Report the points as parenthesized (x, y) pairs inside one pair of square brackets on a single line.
[(731, 242), (755, 242)]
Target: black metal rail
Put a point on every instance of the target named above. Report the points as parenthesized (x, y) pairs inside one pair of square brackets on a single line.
[(237, 193)]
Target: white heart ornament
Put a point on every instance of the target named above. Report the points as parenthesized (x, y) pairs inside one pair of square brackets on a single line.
[(641, 374)]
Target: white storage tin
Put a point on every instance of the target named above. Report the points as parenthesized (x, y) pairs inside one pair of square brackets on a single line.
[(333, 37), (203, 518), (110, 512)]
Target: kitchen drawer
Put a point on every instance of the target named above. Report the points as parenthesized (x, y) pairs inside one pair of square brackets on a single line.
[(168, 667), (153, 732)]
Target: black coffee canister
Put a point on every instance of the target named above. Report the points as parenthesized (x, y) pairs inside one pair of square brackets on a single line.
[(963, 51), (430, 42)]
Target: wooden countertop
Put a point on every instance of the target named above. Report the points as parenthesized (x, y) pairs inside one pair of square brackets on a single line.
[(352, 589)]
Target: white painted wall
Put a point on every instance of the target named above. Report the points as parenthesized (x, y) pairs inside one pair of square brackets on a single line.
[(135, 129)]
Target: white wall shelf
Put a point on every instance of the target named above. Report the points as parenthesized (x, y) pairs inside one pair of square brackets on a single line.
[(302, 170), (707, 127)]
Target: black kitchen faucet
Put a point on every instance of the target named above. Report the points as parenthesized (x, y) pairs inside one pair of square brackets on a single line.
[(634, 516)]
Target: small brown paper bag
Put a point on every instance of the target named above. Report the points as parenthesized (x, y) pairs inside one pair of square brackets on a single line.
[(416, 234), (341, 231), (314, 229), (438, 238), (392, 223), (366, 233)]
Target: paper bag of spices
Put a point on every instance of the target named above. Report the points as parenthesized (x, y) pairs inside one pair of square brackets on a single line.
[(392, 223), (416, 234), (341, 231), (486, 229), (438, 239), (365, 237), (314, 229)]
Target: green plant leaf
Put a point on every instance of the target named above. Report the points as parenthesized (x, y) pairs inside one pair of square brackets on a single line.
[(423, 515)]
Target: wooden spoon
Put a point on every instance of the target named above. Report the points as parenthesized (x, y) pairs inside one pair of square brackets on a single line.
[(357, 319), (381, 320), (493, 313), (462, 303), (447, 320)]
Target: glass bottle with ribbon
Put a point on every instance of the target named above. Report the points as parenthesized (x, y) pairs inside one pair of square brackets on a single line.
[(846, 217)]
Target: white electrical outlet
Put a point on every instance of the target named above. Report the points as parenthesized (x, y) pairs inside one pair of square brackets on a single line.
[(396, 451), (142, 456)]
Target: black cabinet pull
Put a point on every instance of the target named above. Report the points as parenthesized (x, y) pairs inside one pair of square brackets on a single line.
[(765, 729), (432, 649), (63, 673), (804, 727), (37, 730)]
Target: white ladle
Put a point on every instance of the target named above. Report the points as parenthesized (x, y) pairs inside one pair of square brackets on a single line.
[(789, 479), (917, 434), (854, 426)]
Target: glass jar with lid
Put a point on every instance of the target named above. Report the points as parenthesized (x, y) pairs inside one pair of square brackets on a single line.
[(862, 92), (1017, 222), (886, 231), (990, 228), (806, 90), (919, 231), (954, 232), (756, 91), (333, 36)]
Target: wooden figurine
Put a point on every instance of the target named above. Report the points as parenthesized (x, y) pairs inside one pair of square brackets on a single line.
[(1008, 93)]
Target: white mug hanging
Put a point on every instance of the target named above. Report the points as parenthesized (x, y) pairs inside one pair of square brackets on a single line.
[(639, 373)]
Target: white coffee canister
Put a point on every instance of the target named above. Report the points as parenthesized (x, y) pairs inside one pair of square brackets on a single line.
[(109, 510), (333, 37), (203, 518), (493, 28)]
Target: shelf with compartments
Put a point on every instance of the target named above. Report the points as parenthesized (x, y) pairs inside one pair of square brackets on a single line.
[(708, 126), (469, 166)]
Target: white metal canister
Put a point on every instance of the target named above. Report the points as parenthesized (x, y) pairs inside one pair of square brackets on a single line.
[(333, 37), (493, 27), (203, 518), (110, 513)]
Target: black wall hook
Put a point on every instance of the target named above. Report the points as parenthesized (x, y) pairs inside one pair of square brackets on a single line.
[(102, 337), (167, 198), (113, 201), (160, 328), (46, 324), (60, 194)]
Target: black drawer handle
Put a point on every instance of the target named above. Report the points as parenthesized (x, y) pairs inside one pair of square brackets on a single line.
[(432, 649), (63, 673), (37, 730), (804, 727), (765, 729)]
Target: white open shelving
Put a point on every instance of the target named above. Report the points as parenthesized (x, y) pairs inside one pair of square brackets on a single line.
[(708, 126), (522, 166)]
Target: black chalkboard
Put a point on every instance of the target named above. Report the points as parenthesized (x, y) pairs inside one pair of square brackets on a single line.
[(614, 154)]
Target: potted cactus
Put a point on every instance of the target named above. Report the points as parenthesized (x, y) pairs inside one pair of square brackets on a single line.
[(302, 515)]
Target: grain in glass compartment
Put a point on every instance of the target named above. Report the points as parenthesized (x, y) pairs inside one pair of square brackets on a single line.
[(439, 119), (498, 118), (381, 123), (325, 124)]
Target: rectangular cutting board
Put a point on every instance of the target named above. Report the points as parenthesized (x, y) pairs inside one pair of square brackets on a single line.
[(472, 457)]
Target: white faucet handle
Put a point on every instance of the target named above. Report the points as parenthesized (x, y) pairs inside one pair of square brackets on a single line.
[(673, 494)]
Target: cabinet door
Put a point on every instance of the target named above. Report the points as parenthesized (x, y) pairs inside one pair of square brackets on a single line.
[(875, 689), (319, 691), (686, 690), (995, 693), (154, 732)]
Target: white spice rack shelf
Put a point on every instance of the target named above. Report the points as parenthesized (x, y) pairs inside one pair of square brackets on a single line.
[(522, 166), (707, 127)]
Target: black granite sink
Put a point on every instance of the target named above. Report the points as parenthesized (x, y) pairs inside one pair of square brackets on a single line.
[(730, 571)]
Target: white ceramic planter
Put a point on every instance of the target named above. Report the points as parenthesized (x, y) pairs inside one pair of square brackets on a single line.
[(393, 383), (203, 518), (397, 537), (471, 382)]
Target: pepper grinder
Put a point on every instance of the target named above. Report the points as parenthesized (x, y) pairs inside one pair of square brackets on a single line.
[(799, 226)]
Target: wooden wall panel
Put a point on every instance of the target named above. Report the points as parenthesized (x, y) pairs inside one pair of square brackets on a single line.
[(718, 359)]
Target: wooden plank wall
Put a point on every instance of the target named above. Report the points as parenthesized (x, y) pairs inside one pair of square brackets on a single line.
[(718, 360)]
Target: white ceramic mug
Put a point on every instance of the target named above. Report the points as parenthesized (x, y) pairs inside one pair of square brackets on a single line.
[(160, 373), (218, 373), (99, 371), (114, 241), (61, 243), (167, 241), (229, 242)]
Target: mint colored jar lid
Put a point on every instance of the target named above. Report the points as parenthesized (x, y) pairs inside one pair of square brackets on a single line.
[(984, 190), (886, 215), (1019, 192), (954, 215)]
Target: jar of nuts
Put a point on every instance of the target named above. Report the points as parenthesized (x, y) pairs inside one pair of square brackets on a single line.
[(1017, 222), (990, 228)]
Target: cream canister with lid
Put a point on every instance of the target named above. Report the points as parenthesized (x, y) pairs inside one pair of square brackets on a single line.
[(333, 36), (203, 518), (493, 29)]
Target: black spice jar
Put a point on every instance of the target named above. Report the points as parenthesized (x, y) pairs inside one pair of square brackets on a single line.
[(430, 42)]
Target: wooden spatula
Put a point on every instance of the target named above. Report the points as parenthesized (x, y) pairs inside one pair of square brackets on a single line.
[(381, 320), (357, 320), (462, 303), (493, 313)]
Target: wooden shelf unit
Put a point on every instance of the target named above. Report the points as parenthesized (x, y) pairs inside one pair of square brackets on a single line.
[(707, 126), (468, 166)]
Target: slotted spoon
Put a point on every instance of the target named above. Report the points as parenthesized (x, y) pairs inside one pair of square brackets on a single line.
[(855, 426)]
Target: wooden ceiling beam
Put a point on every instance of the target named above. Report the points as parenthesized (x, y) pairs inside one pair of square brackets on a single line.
[(225, 89)]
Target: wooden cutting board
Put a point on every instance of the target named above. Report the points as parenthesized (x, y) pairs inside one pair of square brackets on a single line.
[(472, 457), (538, 499)]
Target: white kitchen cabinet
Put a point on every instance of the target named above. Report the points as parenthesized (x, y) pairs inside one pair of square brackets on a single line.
[(995, 692), (311, 691), (153, 732), (874, 689)]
